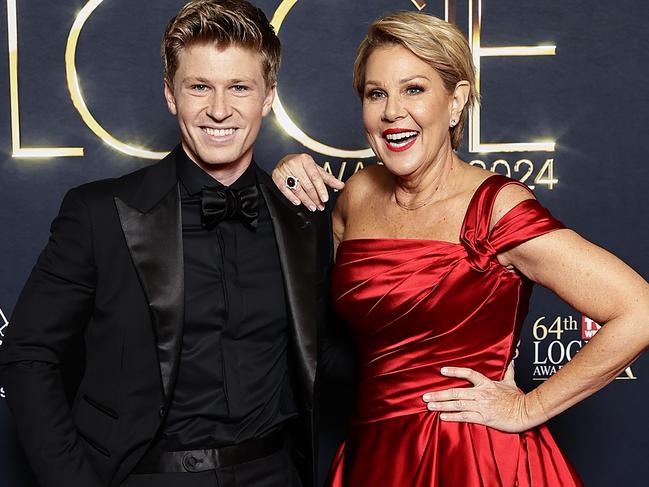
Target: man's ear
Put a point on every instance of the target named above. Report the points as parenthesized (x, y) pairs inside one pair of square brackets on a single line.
[(268, 101), (169, 96)]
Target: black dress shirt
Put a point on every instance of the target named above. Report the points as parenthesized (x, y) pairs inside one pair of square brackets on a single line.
[(233, 382)]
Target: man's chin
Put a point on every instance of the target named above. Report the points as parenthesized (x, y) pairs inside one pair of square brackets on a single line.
[(218, 161), (215, 157)]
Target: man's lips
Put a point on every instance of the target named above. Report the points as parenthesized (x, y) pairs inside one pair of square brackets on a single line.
[(399, 139), (215, 132)]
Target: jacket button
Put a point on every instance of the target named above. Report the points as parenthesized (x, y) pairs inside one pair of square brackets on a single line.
[(162, 411), (192, 463)]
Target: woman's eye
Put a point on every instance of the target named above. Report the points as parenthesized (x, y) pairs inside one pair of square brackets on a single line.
[(375, 94), (414, 90)]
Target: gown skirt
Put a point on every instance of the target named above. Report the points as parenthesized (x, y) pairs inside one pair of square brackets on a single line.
[(418, 305)]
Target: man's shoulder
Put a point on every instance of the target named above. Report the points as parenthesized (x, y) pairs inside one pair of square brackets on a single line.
[(266, 182), (127, 185), (263, 177), (113, 184), (132, 178)]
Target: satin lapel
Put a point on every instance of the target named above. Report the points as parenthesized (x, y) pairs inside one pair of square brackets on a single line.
[(154, 239), (295, 237)]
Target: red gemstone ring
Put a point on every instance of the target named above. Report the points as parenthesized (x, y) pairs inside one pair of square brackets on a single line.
[(292, 182)]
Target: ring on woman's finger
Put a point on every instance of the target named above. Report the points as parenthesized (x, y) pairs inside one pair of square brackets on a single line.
[(292, 183)]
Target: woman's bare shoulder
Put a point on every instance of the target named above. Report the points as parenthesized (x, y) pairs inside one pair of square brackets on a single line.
[(370, 177), (508, 197), (366, 183)]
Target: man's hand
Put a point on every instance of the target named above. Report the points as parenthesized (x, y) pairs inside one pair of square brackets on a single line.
[(499, 405), (311, 181)]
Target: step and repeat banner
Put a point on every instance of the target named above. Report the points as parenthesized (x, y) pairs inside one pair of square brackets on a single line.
[(564, 109)]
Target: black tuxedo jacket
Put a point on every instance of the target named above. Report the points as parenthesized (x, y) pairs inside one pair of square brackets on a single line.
[(110, 282)]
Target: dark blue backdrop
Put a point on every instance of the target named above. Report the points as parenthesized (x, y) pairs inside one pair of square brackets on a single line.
[(590, 97)]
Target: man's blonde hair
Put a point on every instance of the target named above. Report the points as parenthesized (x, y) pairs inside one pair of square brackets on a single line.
[(434, 41), (226, 23)]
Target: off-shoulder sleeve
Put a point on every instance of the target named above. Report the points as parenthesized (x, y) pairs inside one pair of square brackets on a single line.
[(525, 221)]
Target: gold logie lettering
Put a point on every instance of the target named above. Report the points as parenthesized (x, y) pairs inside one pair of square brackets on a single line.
[(77, 98), (523, 170), (450, 9), (530, 170), (419, 4), (627, 374), (17, 150), (343, 166), (341, 171), (285, 120), (505, 164), (475, 24)]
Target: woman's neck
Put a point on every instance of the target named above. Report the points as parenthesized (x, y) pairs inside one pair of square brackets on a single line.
[(431, 184)]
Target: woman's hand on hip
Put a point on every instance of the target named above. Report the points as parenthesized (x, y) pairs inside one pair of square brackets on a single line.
[(500, 405)]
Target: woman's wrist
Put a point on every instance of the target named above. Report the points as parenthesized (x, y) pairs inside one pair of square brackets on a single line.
[(535, 409)]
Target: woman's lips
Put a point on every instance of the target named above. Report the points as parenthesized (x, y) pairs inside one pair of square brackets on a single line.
[(399, 140)]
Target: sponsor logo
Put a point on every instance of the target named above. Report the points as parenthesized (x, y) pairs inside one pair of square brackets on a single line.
[(557, 340), (588, 328)]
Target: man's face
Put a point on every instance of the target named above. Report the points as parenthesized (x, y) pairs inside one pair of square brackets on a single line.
[(220, 97)]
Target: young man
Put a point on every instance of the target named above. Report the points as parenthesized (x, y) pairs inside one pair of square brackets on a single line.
[(195, 289)]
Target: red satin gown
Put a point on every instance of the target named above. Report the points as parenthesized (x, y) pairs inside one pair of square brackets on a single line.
[(415, 306)]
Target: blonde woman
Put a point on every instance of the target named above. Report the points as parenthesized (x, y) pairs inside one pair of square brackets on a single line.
[(435, 265)]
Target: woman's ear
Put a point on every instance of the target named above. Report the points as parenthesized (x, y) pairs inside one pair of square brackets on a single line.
[(459, 99)]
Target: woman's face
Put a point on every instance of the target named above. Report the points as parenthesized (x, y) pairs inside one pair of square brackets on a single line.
[(406, 110)]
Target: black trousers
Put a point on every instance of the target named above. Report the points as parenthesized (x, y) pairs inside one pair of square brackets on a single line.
[(276, 470)]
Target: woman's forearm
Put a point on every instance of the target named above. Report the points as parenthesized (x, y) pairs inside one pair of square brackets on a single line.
[(615, 346)]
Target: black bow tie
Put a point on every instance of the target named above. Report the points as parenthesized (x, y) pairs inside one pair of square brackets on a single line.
[(218, 204)]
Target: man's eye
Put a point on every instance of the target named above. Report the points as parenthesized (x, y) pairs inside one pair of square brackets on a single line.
[(240, 88), (199, 87)]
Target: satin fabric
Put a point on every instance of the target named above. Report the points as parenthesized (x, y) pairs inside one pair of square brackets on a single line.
[(416, 306)]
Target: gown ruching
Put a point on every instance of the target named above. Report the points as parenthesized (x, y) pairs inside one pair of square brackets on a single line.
[(418, 305)]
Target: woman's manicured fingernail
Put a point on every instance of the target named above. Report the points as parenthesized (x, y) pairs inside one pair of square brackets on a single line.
[(426, 397), (444, 370)]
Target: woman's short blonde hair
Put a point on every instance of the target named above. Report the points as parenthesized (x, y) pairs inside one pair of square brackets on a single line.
[(436, 42), (225, 22)]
